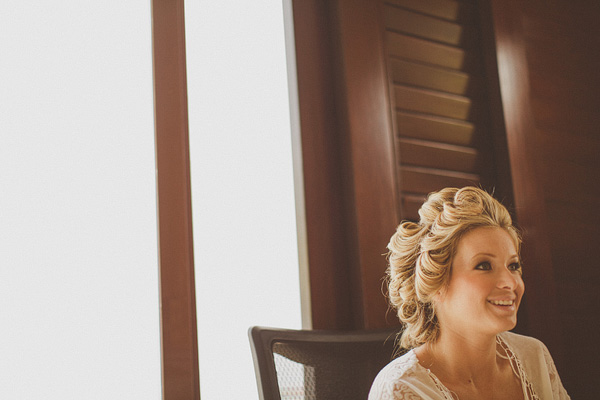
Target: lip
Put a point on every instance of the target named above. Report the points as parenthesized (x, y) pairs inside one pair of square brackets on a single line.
[(513, 299), (506, 308)]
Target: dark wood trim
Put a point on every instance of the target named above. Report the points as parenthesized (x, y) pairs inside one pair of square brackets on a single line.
[(179, 345), (330, 287), (363, 101), (513, 70), (348, 159), (500, 177)]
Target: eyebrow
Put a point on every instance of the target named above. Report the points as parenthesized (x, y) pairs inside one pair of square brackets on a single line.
[(493, 256)]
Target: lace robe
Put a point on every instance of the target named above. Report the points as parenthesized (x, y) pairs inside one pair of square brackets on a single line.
[(405, 379)]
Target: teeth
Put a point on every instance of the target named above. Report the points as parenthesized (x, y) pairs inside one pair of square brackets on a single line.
[(502, 302)]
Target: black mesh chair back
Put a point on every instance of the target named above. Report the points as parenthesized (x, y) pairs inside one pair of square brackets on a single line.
[(318, 365)]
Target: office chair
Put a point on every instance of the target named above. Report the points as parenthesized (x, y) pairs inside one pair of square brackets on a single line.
[(318, 365)]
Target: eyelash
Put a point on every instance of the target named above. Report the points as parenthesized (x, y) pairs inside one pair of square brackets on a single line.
[(485, 266), (516, 266)]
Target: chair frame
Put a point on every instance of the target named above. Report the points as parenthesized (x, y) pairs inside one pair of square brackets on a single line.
[(262, 339)]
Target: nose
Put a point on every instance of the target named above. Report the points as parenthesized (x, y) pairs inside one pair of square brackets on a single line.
[(507, 279)]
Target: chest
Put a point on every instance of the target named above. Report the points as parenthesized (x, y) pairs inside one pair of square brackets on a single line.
[(504, 387)]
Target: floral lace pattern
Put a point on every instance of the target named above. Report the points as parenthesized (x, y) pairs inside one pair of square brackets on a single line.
[(390, 383), (405, 379), (447, 393), (518, 370)]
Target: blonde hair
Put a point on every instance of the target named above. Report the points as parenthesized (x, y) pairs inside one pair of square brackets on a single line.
[(420, 254)]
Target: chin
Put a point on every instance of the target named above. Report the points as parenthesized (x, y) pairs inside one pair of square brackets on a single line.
[(507, 326), (497, 326)]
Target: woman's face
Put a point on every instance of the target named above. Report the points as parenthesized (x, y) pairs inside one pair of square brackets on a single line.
[(485, 286)]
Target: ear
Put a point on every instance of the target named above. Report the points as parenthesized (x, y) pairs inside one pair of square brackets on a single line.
[(440, 295)]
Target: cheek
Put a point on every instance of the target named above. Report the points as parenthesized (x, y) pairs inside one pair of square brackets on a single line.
[(469, 291), (475, 286), (521, 285)]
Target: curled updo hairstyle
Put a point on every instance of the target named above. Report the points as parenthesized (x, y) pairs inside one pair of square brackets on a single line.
[(420, 254)]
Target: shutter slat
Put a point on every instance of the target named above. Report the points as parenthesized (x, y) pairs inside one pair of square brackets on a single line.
[(401, 20), (425, 76), (428, 127), (431, 102), (427, 180), (413, 48), (447, 9), (437, 155), (435, 71)]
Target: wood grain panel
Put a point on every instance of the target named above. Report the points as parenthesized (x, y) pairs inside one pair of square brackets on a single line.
[(524, 144), (427, 180), (564, 214), (566, 180), (437, 155), (412, 23), (550, 49), (581, 148), (364, 106), (576, 120), (331, 286), (432, 102), (447, 9), (420, 75), (348, 159), (409, 47), (579, 322), (440, 129), (571, 255)]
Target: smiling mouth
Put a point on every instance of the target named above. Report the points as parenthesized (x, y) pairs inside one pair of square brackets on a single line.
[(502, 302)]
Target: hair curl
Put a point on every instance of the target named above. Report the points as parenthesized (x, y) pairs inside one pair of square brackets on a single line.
[(420, 255)]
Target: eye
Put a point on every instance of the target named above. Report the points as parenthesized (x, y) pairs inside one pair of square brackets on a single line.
[(484, 266), (516, 266)]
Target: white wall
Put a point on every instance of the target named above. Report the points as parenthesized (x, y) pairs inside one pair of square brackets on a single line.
[(78, 258)]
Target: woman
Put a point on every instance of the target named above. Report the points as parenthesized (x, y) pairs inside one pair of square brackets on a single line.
[(455, 280)]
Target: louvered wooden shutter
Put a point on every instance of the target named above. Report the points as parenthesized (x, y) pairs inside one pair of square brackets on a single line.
[(437, 91)]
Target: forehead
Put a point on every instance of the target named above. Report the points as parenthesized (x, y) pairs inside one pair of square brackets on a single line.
[(491, 240)]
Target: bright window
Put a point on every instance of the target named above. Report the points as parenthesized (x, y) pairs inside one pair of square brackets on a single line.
[(78, 278), (78, 257), (246, 254)]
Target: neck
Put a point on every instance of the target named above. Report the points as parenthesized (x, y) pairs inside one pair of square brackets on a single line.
[(456, 358)]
